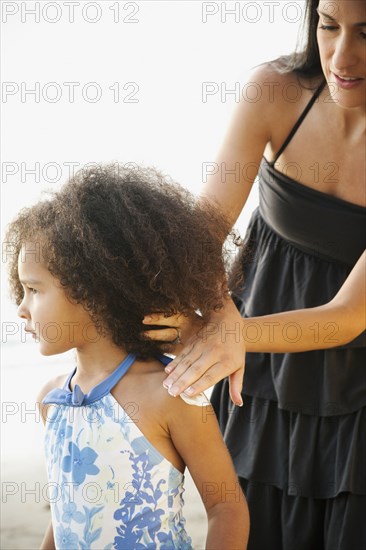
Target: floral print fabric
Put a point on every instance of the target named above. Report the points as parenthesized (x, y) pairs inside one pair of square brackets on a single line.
[(110, 488)]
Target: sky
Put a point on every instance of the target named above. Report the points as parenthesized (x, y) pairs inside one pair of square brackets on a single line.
[(150, 82)]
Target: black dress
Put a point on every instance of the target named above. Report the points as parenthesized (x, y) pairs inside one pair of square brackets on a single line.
[(299, 441)]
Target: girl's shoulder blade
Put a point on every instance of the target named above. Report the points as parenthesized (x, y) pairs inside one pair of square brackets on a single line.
[(141, 393)]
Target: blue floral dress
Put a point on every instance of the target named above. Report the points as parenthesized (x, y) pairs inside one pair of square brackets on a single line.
[(109, 488)]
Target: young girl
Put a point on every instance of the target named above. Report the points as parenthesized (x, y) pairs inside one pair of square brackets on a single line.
[(89, 263)]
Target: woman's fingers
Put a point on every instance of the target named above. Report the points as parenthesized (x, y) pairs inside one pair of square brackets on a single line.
[(162, 335), (204, 358), (191, 378), (199, 370), (236, 385), (161, 319), (191, 386), (176, 329), (181, 364), (200, 366)]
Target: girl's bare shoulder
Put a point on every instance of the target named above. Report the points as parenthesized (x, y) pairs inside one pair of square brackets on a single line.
[(143, 382), (144, 385), (56, 382)]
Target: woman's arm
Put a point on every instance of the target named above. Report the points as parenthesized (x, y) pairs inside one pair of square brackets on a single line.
[(228, 181), (211, 353), (206, 456), (228, 185), (218, 350), (333, 324)]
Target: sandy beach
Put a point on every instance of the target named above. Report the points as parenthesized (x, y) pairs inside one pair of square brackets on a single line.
[(24, 503)]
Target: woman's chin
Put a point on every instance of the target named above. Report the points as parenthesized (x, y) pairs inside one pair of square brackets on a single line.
[(348, 99)]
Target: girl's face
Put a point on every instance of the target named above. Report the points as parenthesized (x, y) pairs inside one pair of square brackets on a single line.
[(341, 38), (55, 322)]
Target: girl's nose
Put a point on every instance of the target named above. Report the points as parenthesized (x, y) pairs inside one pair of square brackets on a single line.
[(23, 311)]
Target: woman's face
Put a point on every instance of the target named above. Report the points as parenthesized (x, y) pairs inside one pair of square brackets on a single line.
[(341, 36)]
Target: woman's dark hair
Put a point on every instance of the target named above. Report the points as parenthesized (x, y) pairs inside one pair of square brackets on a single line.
[(306, 62), (126, 243)]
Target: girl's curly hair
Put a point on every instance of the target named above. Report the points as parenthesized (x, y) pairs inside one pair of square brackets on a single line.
[(126, 243)]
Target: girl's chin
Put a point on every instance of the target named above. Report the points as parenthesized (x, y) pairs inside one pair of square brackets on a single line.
[(49, 349)]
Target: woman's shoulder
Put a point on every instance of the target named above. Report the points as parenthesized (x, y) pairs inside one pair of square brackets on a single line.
[(283, 97), (282, 92), (270, 73)]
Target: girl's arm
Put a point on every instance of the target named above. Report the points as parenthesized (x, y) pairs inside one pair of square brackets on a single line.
[(48, 542), (196, 436)]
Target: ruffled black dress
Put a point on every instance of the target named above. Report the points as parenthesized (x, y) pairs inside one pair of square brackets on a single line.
[(299, 442)]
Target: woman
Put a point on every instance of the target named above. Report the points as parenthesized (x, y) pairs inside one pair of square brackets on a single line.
[(298, 442)]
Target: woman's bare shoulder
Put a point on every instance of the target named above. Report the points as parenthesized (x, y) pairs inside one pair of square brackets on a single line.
[(269, 74), (282, 93), (284, 96)]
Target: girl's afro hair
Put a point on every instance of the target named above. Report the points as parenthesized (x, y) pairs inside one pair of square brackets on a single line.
[(126, 243)]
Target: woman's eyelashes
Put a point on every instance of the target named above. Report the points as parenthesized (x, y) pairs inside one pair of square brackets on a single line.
[(325, 27), (328, 27)]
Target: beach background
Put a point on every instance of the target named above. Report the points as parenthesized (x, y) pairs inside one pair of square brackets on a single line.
[(151, 85)]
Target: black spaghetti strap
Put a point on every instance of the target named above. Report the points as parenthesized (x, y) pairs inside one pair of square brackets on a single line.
[(299, 121)]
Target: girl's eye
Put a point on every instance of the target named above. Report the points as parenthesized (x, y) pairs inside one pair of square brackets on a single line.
[(32, 290)]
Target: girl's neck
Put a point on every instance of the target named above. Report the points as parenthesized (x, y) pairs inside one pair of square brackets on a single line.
[(99, 359)]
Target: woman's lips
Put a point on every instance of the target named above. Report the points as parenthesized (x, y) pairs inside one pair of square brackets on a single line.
[(347, 84)]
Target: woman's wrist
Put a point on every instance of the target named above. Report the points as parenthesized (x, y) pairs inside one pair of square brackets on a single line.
[(227, 321)]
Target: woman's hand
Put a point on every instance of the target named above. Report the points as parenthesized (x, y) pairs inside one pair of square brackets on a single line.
[(175, 329), (207, 354)]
